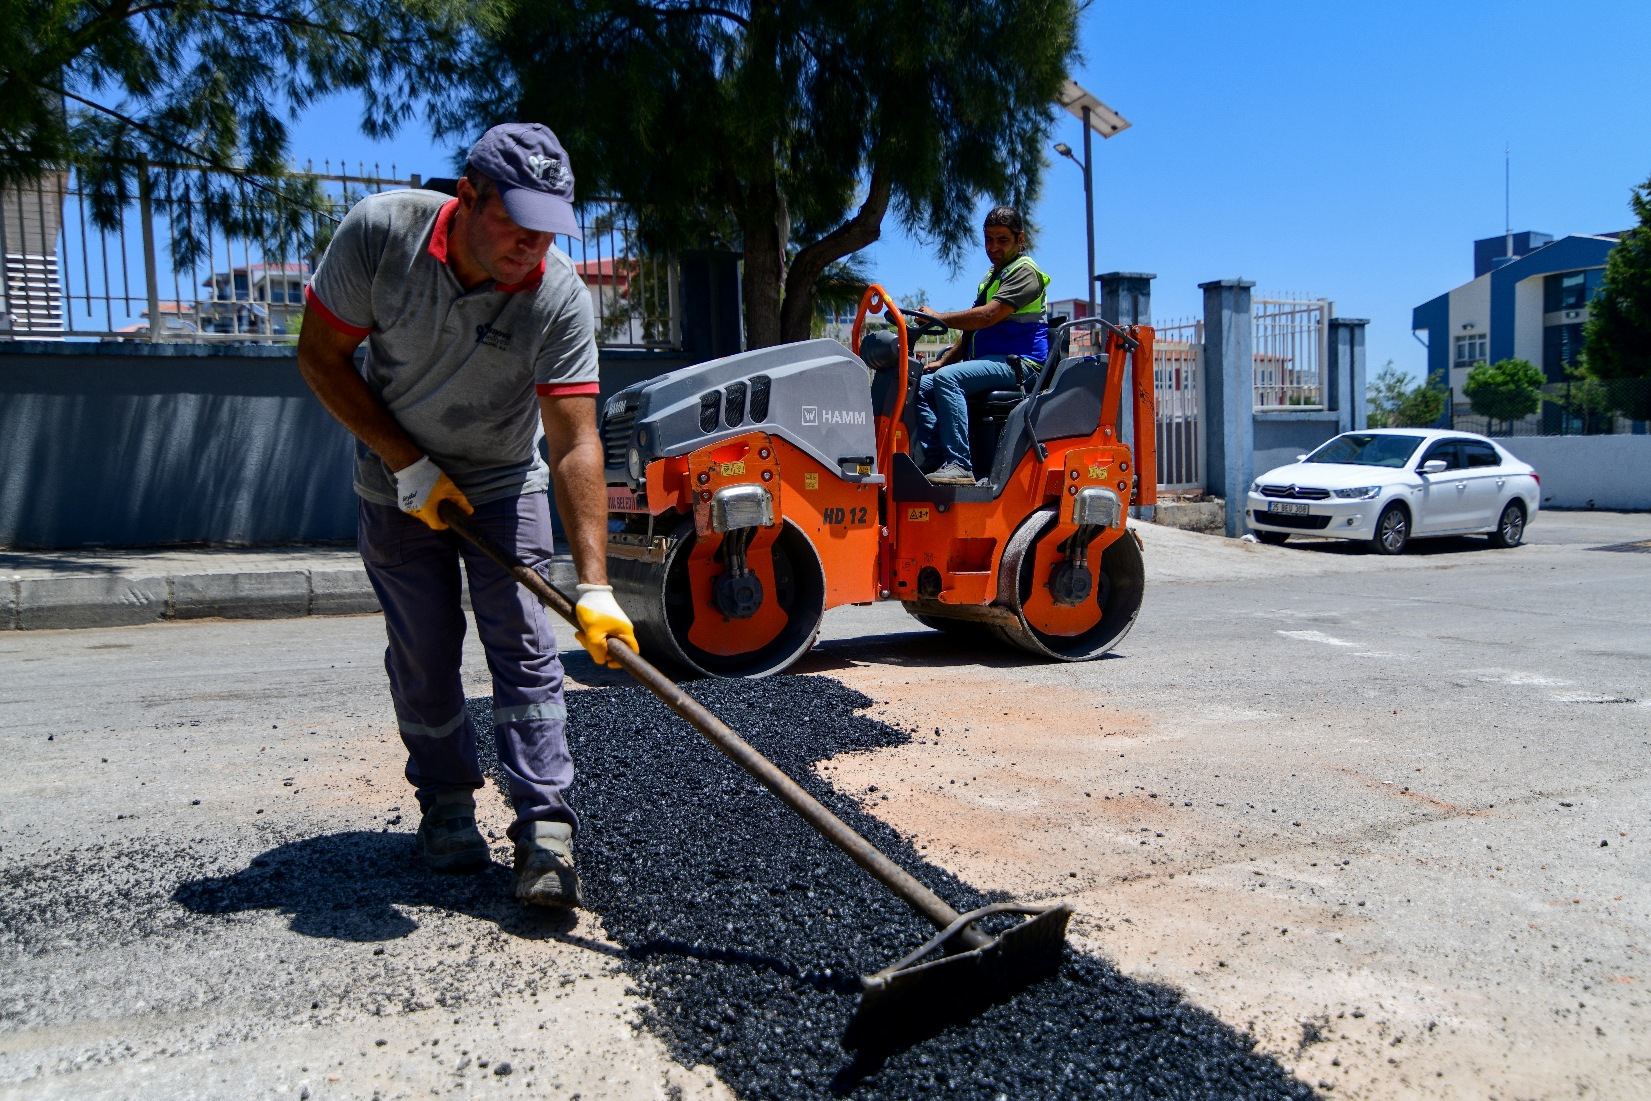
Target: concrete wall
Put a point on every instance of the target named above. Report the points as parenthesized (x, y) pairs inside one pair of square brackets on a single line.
[(1280, 437), (131, 444), (1608, 472)]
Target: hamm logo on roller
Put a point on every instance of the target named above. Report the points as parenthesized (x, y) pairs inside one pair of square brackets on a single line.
[(814, 415)]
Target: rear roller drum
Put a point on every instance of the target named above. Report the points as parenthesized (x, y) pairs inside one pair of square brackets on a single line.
[(1079, 614), (659, 597)]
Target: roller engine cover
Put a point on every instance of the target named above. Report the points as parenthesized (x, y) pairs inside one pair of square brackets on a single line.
[(814, 394)]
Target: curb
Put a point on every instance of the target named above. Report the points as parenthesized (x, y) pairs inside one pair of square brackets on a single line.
[(116, 600), (80, 601)]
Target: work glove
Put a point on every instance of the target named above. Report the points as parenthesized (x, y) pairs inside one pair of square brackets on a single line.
[(422, 487), (601, 618)]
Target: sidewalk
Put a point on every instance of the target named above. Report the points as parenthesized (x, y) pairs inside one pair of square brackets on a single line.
[(44, 590)]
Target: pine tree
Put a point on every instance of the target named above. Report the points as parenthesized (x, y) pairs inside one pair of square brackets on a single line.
[(787, 131), (1617, 341), (201, 93)]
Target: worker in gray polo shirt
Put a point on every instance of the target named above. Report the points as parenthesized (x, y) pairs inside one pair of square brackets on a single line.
[(480, 344)]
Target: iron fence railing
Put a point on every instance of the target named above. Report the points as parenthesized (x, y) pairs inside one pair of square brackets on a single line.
[(130, 275), (1177, 371), (1291, 345), (1577, 407)]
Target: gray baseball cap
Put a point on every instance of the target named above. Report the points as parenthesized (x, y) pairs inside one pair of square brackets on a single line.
[(532, 171)]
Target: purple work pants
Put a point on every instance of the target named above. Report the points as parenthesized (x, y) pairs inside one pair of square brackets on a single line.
[(415, 572)]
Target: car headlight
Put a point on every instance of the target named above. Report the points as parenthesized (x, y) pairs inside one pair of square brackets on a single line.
[(1255, 487), (633, 464), (1358, 493)]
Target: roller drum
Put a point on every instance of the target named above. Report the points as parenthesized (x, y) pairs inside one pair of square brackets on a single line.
[(658, 597), (1118, 587)]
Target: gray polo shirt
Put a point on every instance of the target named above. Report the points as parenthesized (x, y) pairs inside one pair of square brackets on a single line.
[(457, 369)]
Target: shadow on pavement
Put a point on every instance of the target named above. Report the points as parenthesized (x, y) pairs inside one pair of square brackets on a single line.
[(1422, 547), (17, 561), (355, 886)]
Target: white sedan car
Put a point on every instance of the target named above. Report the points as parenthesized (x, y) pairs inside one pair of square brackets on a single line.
[(1386, 486)]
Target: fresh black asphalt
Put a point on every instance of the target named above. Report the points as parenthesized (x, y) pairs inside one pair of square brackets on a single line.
[(746, 931)]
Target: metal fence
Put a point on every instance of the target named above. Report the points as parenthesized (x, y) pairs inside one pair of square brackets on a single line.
[(68, 274), (1177, 372), (1577, 407), (1291, 346)]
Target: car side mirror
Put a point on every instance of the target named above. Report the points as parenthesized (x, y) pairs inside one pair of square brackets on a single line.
[(1434, 466), (1301, 458)]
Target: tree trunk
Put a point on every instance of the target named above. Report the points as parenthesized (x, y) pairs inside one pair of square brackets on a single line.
[(764, 273), (797, 310)]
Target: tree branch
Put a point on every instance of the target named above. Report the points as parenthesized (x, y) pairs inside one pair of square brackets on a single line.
[(850, 237), (699, 9), (264, 17), (207, 163)]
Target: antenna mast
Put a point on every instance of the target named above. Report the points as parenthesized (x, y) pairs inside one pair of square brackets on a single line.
[(1507, 204)]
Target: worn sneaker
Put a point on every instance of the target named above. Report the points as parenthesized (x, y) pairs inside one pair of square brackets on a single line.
[(953, 474), (447, 835), (544, 865)]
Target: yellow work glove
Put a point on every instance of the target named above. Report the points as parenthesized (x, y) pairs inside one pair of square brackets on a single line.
[(601, 618), (422, 487)]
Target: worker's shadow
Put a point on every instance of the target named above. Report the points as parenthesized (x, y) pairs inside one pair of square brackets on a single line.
[(968, 647), (360, 885)]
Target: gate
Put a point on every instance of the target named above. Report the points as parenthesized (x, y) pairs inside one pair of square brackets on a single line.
[(1177, 370), (1292, 344)]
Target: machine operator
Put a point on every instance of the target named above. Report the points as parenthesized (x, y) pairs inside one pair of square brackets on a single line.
[(480, 344), (1008, 318)]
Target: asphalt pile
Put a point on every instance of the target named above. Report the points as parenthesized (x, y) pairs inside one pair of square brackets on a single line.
[(746, 931)]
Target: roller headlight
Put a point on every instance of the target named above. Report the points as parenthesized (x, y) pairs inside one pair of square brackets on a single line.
[(1358, 493), (633, 464)]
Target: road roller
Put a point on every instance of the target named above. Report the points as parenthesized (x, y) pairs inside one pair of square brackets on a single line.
[(749, 494)]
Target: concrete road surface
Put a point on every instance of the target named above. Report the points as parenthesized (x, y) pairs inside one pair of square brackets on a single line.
[(1389, 816)]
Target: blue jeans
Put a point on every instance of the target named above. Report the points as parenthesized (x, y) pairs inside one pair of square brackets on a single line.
[(943, 410), (415, 572)]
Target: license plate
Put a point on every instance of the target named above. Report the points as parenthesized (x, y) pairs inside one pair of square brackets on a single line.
[(1289, 508)]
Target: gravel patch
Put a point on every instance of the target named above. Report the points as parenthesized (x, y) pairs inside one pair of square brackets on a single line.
[(745, 931)]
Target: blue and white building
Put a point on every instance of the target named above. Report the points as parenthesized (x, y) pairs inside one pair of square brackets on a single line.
[(1528, 300)]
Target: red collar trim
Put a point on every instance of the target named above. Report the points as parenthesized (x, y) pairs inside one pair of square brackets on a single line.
[(438, 249), (534, 278), (444, 226)]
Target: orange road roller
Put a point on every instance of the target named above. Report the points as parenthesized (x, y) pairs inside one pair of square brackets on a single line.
[(749, 494)]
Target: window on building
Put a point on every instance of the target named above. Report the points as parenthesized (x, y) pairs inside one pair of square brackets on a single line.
[(1573, 290), (1471, 349), (1567, 290), (1561, 348)]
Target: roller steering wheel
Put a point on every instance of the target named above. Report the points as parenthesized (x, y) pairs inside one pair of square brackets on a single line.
[(919, 324)]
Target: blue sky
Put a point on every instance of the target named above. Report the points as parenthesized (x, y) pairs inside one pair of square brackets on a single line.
[(1351, 150)]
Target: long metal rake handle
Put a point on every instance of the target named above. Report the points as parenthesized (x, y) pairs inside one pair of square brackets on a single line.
[(832, 828)]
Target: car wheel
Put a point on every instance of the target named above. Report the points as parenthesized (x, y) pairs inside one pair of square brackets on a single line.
[(1392, 530), (1272, 538), (1510, 527)]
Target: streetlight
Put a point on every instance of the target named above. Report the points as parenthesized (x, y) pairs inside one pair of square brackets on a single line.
[(1100, 119)]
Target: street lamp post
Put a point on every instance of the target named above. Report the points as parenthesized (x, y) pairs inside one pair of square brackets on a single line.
[(1100, 119)]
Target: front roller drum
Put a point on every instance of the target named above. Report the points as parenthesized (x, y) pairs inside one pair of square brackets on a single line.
[(659, 598), (1045, 628)]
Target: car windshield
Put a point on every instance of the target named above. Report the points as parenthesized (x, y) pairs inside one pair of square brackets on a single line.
[(1367, 449)]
